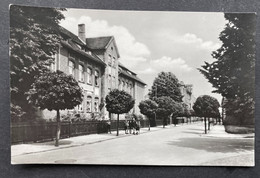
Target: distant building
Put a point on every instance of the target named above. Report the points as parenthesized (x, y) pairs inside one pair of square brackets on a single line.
[(94, 63), (186, 91)]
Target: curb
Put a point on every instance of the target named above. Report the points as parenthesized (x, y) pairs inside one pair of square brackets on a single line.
[(89, 143)]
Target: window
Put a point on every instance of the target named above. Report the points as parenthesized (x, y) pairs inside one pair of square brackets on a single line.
[(53, 65), (109, 70), (81, 73), (127, 87), (89, 75), (96, 105), (131, 90), (113, 82), (123, 87), (72, 68), (114, 62), (109, 81), (80, 107), (109, 59), (89, 104), (119, 85), (96, 78)]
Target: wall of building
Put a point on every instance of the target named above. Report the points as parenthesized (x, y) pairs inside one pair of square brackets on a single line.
[(139, 96), (109, 79), (91, 92)]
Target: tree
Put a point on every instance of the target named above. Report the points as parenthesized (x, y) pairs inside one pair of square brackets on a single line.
[(34, 36), (148, 108), (119, 102), (166, 84), (178, 111), (166, 107), (55, 91), (185, 111), (233, 72), (207, 107)]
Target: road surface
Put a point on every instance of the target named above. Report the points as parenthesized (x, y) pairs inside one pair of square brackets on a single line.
[(182, 145)]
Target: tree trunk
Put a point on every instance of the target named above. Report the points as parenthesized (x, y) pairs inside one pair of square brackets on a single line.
[(117, 125), (208, 123), (205, 120), (58, 129), (149, 124)]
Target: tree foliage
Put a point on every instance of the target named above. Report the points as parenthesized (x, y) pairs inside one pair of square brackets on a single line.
[(166, 84), (206, 106), (166, 107), (55, 91), (148, 107), (233, 74), (184, 111), (34, 35), (241, 110), (119, 102)]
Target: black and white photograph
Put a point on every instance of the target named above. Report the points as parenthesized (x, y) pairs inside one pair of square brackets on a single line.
[(127, 87)]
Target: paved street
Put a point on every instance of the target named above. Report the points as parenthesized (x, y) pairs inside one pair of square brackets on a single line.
[(181, 145)]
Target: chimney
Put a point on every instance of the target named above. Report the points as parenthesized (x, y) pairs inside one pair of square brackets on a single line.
[(81, 32)]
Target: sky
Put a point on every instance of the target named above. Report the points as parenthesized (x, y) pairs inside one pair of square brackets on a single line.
[(153, 41)]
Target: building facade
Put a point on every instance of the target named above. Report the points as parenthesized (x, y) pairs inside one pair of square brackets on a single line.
[(94, 63), (186, 91)]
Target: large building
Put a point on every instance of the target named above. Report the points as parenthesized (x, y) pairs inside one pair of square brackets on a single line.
[(94, 63)]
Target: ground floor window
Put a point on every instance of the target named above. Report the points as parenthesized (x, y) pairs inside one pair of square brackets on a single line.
[(96, 103), (80, 107), (89, 104)]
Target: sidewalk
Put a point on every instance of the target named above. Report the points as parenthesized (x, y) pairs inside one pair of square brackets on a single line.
[(73, 141), (219, 131)]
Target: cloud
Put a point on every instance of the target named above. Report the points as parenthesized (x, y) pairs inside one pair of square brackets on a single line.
[(166, 63), (147, 71), (131, 51), (192, 39)]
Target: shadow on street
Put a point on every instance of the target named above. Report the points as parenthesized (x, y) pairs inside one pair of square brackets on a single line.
[(223, 145)]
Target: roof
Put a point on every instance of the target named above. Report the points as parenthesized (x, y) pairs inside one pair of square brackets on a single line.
[(74, 37), (73, 43), (125, 71), (75, 48), (122, 66), (98, 42), (132, 77)]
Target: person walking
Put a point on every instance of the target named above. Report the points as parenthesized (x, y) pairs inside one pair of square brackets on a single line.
[(137, 127), (126, 126), (134, 126)]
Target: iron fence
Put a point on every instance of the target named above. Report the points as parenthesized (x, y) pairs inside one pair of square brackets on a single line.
[(38, 132)]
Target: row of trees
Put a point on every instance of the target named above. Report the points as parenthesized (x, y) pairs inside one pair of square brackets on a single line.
[(165, 102), (165, 91)]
